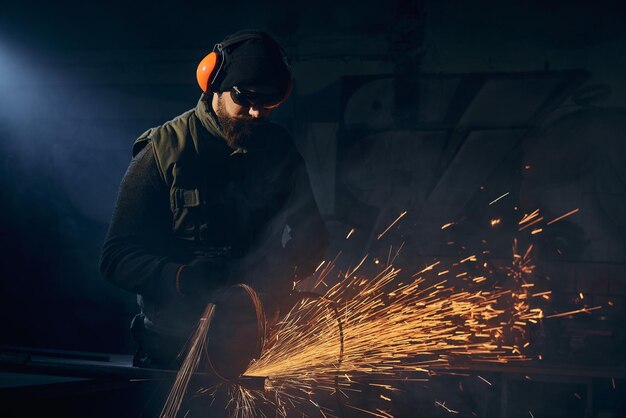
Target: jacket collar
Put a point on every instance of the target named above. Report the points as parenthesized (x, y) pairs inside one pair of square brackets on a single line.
[(206, 115), (208, 119)]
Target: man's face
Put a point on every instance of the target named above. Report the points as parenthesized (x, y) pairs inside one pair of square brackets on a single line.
[(238, 122)]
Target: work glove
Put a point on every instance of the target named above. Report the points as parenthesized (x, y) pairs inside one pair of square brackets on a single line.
[(203, 275)]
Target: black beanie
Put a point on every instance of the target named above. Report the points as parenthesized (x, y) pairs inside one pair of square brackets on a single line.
[(258, 61)]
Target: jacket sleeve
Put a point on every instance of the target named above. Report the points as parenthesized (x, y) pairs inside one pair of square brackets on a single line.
[(134, 252)]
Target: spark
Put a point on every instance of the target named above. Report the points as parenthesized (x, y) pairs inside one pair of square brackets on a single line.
[(326, 271), (563, 216), (384, 386), (357, 267), (495, 221), (449, 224), (494, 201), (397, 254), (577, 311), (549, 292), (443, 405), (531, 414), (392, 224), (190, 364), (613, 382), (385, 413), (350, 233), (428, 268), (528, 217), (380, 327), (387, 328), (536, 231), (470, 258), (531, 222), (484, 380)]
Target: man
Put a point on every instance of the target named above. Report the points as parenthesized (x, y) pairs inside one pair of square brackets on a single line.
[(217, 196)]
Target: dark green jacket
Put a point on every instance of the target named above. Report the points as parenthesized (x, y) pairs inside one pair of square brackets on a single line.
[(201, 195)]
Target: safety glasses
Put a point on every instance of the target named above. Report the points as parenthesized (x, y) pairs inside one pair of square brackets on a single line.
[(248, 98)]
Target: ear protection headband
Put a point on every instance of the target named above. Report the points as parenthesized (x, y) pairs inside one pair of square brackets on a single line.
[(210, 68)]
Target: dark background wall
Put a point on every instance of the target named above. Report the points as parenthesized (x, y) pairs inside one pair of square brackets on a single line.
[(433, 107)]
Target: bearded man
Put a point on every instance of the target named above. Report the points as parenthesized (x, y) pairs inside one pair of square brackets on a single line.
[(217, 196)]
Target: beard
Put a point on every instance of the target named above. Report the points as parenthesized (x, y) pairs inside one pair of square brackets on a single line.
[(238, 132)]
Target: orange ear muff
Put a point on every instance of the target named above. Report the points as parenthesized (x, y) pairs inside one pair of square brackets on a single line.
[(206, 71)]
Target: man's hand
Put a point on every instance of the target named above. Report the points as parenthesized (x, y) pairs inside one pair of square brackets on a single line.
[(203, 275)]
